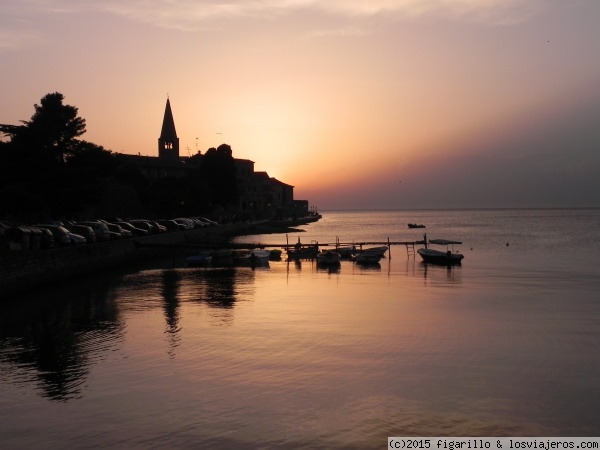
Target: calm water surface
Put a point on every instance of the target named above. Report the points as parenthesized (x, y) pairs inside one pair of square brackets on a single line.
[(295, 356)]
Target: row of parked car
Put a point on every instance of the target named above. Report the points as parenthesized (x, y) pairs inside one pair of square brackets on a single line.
[(62, 234)]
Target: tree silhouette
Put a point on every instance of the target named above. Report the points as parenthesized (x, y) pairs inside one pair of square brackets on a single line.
[(44, 168), (218, 168), (50, 134)]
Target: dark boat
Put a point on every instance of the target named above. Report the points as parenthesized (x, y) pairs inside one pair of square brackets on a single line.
[(414, 225), (447, 257), (198, 260)]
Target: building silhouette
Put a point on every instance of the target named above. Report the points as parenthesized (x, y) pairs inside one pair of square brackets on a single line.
[(260, 196), (168, 142)]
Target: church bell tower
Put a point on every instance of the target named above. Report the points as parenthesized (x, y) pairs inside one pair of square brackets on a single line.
[(168, 142)]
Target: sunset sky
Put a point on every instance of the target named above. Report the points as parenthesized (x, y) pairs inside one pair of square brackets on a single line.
[(356, 103)]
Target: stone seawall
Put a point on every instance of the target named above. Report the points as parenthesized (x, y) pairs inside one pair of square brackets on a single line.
[(21, 270)]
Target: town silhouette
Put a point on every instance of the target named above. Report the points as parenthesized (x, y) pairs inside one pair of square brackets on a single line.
[(49, 172)]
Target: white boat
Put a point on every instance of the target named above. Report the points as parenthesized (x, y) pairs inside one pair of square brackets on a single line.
[(433, 256), (328, 257)]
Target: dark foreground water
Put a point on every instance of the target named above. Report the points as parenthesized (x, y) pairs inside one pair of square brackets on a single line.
[(294, 356)]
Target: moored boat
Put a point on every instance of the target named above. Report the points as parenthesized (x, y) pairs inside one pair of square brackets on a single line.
[(374, 250), (260, 256), (367, 257), (275, 254), (415, 225), (328, 257), (252, 257), (309, 252), (198, 260), (345, 252), (433, 256)]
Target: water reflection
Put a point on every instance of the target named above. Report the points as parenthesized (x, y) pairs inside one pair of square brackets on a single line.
[(52, 335), (446, 274), (170, 289), (219, 287), (53, 338)]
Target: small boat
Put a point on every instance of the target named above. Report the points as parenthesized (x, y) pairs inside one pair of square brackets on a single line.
[(440, 257), (345, 252), (414, 225), (367, 257), (259, 256), (252, 257), (198, 260), (374, 250), (275, 254), (309, 252), (328, 257)]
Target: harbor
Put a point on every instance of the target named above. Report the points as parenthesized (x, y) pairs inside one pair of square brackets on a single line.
[(157, 353)]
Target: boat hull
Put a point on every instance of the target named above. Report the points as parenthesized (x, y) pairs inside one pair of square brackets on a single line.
[(198, 260), (329, 257), (367, 258), (439, 257), (304, 253), (373, 251)]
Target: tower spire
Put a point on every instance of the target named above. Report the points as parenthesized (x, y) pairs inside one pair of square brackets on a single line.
[(168, 142)]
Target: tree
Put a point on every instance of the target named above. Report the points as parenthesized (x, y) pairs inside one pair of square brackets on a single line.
[(218, 168), (51, 133), (45, 169)]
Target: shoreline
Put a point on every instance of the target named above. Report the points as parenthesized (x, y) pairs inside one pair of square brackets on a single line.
[(23, 270)]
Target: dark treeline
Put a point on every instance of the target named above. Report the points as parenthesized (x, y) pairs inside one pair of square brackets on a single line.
[(47, 171)]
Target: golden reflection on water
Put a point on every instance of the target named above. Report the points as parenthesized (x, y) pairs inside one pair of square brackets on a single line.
[(294, 355)]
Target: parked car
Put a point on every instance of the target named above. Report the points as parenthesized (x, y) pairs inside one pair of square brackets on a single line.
[(210, 223), (152, 227), (4, 224), (76, 239), (170, 225), (186, 224), (100, 230), (61, 234), (47, 240), (158, 226), (136, 231), (144, 225), (117, 229), (83, 230)]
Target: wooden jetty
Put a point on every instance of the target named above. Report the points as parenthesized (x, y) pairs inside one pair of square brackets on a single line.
[(410, 245)]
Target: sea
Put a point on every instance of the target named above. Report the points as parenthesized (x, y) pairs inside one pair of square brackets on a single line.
[(296, 356)]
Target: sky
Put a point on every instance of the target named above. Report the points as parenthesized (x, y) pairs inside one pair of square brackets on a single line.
[(383, 104)]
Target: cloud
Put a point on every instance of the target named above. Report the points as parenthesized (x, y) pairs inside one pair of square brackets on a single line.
[(190, 13), (345, 31), (195, 14), (12, 39)]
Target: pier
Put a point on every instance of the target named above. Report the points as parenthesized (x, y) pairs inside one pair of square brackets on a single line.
[(410, 245)]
